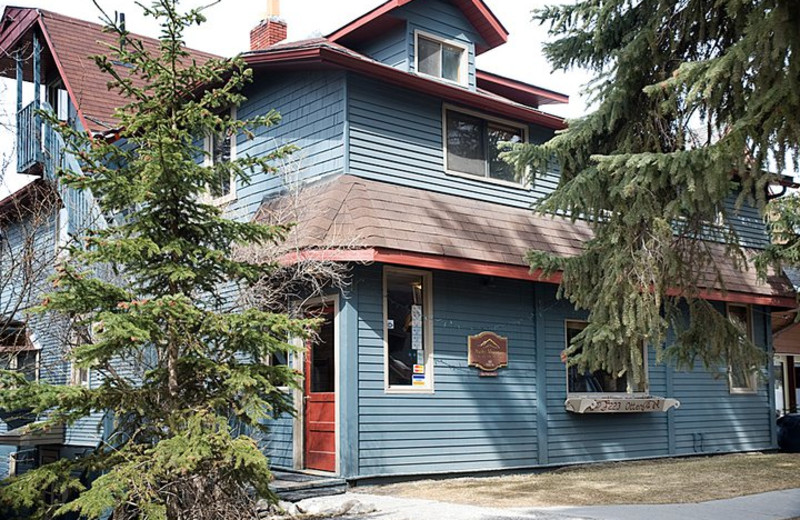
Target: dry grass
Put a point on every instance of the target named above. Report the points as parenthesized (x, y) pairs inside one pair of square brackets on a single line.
[(644, 482)]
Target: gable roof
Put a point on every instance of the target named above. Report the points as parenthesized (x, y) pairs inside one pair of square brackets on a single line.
[(70, 42), (321, 52), (382, 17), (353, 219)]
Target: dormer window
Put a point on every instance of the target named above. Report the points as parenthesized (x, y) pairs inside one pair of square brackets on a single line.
[(441, 59)]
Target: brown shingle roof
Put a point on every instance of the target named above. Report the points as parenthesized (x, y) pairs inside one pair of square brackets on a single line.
[(355, 213), (71, 42)]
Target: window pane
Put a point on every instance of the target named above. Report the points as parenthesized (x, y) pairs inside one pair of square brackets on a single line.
[(465, 144), (221, 152), (405, 327), (26, 363), (741, 376), (597, 381), (322, 360), (451, 62), (499, 169), (429, 57)]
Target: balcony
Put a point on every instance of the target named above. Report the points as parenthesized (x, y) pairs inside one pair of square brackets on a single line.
[(30, 158)]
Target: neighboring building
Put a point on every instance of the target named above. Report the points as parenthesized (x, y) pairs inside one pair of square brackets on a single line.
[(397, 129)]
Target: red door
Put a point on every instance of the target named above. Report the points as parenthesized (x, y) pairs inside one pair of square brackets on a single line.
[(320, 397)]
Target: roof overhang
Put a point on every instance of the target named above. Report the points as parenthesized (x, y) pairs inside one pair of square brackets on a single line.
[(514, 272), (476, 11), (328, 55), (36, 195), (518, 91), (33, 436)]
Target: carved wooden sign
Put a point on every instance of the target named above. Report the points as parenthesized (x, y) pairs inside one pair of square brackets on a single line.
[(619, 405), (488, 352)]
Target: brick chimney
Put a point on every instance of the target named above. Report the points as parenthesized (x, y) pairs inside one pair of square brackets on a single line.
[(271, 30)]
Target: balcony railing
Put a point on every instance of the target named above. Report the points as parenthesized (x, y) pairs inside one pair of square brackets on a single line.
[(41, 151), (29, 141)]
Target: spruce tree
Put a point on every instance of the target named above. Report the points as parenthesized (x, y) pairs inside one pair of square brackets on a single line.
[(183, 382), (693, 102)]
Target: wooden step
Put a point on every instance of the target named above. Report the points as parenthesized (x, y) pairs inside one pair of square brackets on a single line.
[(293, 486)]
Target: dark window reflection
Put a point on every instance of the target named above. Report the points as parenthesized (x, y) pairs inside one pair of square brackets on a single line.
[(322, 360)]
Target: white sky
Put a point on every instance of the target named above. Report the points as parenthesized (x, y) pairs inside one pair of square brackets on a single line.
[(229, 22)]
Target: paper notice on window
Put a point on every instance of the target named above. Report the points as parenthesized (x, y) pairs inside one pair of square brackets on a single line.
[(416, 327)]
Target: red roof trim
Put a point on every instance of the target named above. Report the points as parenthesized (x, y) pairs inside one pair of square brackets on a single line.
[(28, 20), (478, 14), (507, 87), (63, 74), (514, 272), (376, 70)]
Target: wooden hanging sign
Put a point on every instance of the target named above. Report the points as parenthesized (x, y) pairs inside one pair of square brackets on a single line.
[(488, 352)]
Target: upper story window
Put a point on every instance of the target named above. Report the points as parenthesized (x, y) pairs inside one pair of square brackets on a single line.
[(599, 381), (441, 58), (59, 99), (471, 145), (221, 148), (17, 351)]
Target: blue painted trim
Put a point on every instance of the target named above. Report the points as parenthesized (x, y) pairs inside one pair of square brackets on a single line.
[(20, 73), (348, 385), (773, 426), (541, 376), (346, 123), (668, 372)]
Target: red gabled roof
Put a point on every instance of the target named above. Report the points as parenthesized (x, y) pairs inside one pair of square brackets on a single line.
[(476, 11), (71, 42), (321, 52)]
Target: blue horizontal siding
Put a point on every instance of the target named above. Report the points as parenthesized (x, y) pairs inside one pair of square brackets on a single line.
[(471, 423), (390, 48), (278, 444), (311, 105), (468, 422), (395, 136)]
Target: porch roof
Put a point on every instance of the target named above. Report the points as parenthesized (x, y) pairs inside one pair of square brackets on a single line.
[(354, 219), (25, 436)]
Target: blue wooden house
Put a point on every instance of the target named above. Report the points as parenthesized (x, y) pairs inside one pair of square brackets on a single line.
[(400, 179)]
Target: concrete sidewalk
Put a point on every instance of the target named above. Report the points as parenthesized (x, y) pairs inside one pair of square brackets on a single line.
[(777, 505)]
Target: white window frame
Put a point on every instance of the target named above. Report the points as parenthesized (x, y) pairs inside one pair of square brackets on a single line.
[(645, 392), (463, 68), (76, 376), (13, 363), (208, 149), (427, 302), (505, 122), (753, 379)]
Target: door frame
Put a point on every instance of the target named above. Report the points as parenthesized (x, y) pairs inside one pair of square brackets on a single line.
[(298, 425)]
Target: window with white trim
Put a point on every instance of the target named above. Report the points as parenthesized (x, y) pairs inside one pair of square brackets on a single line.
[(17, 351), (741, 379), (79, 376), (471, 146), (599, 381), (408, 331), (221, 148), (439, 58)]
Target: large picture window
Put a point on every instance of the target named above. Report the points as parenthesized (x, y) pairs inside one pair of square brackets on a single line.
[(408, 332), (742, 379), (598, 381), (440, 58), (471, 146)]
